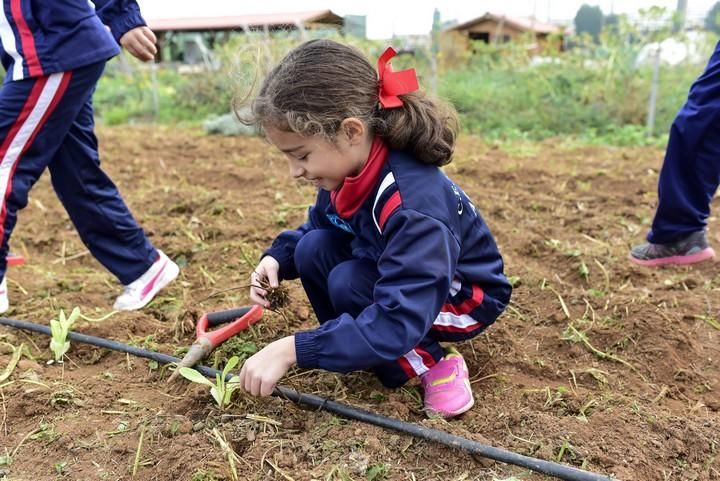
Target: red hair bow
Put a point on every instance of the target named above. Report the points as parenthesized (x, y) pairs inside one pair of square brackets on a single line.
[(392, 83)]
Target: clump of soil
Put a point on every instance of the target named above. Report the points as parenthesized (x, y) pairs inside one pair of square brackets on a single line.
[(278, 297)]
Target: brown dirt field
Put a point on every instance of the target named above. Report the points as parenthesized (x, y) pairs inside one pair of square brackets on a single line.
[(632, 392)]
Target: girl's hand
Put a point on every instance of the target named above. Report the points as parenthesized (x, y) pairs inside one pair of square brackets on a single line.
[(140, 42), (266, 271), (263, 370)]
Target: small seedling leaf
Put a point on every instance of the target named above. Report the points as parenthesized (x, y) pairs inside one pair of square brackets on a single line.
[(217, 396), (59, 348), (73, 316), (194, 376), (232, 362), (55, 328)]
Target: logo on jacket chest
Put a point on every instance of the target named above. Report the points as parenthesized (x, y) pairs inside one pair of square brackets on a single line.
[(340, 223)]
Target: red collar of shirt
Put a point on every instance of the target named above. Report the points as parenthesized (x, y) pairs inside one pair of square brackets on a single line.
[(355, 190)]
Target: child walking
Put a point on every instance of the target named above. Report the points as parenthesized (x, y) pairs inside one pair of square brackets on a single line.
[(689, 178), (54, 53), (394, 257)]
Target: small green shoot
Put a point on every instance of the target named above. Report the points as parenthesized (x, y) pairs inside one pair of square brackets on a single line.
[(203, 475), (566, 448), (60, 467), (514, 281), (594, 292), (377, 472), (46, 432), (222, 390), (583, 270), (60, 328)]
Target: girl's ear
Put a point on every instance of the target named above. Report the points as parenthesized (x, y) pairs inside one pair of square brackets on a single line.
[(354, 130)]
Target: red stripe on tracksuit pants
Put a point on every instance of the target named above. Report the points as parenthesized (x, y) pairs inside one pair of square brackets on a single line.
[(42, 101), (54, 129)]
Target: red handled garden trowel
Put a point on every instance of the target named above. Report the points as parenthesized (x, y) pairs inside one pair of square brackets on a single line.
[(238, 319)]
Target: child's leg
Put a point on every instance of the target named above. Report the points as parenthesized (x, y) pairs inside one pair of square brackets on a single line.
[(350, 285), (35, 116), (688, 179), (691, 170), (97, 210), (415, 363), (316, 255), (468, 312)]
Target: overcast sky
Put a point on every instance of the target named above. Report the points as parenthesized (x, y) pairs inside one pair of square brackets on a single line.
[(401, 17)]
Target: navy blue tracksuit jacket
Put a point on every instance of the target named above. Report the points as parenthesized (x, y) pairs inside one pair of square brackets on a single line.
[(54, 52), (394, 262)]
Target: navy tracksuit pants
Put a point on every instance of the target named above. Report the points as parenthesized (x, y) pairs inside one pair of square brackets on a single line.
[(337, 283), (691, 171), (48, 122)]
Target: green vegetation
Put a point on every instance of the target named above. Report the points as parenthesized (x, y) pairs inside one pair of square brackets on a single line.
[(60, 328), (593, 91), (222, 390)]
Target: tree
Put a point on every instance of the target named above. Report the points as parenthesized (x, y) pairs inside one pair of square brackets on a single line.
[(611, 22), (590, 20), (680, 16), (712, 21)]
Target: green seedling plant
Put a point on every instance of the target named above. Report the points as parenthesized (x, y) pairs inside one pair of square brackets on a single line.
[(60, 328), (221, 390)]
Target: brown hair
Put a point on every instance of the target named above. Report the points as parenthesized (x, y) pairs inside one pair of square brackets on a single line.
[(321, 83)]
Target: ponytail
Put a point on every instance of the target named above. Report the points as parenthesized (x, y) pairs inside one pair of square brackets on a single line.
[(424, 127)]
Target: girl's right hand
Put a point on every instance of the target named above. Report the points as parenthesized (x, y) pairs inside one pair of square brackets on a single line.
[(267, 272), (140, 42)]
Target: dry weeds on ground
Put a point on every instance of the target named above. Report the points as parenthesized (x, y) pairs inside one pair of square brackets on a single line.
[(595, 363)]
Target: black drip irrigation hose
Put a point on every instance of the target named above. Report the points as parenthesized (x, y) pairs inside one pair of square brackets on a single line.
[(473, 447)]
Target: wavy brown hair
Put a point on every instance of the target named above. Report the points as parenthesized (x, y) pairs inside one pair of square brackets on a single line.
[(321, 83)]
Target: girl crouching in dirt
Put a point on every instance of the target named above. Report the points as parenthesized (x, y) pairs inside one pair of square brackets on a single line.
[(394, 257)]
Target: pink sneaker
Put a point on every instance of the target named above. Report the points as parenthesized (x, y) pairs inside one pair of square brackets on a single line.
[(447, 386), (14, 259), (140, 292)]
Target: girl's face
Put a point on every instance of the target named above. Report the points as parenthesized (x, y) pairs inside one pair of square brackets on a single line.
[(324, 163)]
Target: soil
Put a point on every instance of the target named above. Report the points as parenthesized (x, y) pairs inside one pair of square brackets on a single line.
[(596, 363)]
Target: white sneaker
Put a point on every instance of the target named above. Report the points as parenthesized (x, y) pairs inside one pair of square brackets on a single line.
[(4, 303), (140, 292)]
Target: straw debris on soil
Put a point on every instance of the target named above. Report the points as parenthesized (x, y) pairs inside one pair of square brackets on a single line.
[(563, 217)]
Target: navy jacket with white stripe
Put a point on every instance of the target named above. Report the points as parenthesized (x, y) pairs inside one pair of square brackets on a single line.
[(430, 245), (41, 37)]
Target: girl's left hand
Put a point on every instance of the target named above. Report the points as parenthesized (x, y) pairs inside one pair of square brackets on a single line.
[(263, 370)]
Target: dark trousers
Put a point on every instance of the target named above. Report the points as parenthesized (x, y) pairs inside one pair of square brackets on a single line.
[(691, 171), (337, 283), (47, 122)]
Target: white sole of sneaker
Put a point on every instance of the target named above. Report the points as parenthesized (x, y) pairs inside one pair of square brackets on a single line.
[(167, 275), (4, 302), (463, 409), (449, 415)]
